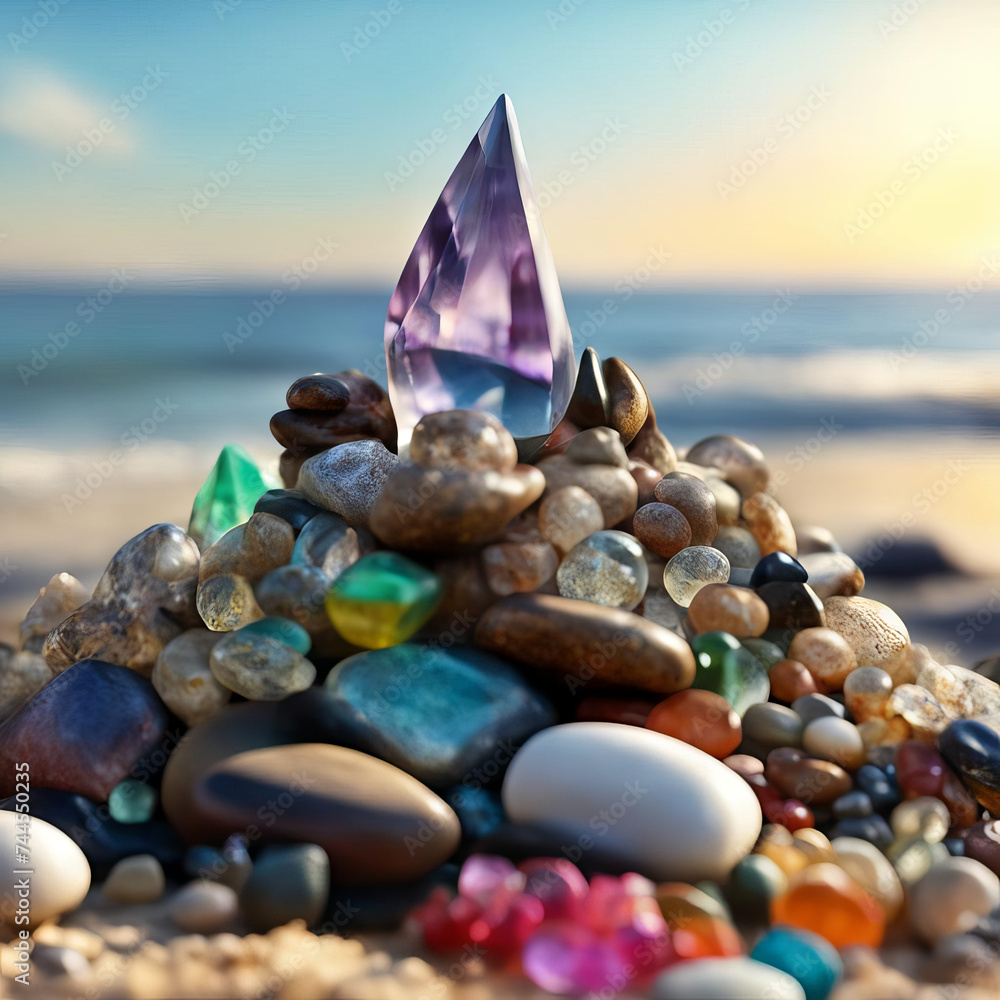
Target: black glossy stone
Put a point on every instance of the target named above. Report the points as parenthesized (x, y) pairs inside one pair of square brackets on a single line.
[(288, 882), (973, 749), (588, 406), (102, 839), (792, 606), (879, 787), (854, 805), (290, 506), (778, 567), (874, 829)]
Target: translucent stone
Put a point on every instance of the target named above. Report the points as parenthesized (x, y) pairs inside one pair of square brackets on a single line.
[(228, 495), (482, 875), (722, 665), (925, 818), (920, 709), (132, 801), (693, 568), (569, 958), (260, 668), (382, 600), (608, 568), (283, 630), (961, 693), (477, 321), (866, 692)]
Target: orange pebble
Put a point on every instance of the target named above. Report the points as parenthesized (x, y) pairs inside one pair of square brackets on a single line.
[(790, 680), (706, 937), (824, 899), (702, 718)]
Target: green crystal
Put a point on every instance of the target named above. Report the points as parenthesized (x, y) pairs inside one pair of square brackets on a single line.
[(382, 600), (283, 629), (228, 495), (725, 667), (132, 801)]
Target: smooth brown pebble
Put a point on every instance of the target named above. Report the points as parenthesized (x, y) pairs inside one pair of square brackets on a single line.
[(837, 740), (826, 654), (790, 680), (694, 500), (720, 607), (662, 529)]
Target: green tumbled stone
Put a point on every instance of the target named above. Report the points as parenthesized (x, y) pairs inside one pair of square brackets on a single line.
[(725, 667), (132, 801), (382, 600), (769, 653), (283, 629), (228, 495)]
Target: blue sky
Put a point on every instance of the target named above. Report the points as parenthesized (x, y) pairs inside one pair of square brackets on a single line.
[(653, 111)]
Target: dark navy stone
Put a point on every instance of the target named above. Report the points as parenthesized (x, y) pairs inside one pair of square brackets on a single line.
[(879, 787), (227, 866), (955, 845), (874, 829), (288, 882), (778, 567), (973, 749), (446, 716), (479, 810), (290, 506), (102, 839), (853, 805), (88, 729)]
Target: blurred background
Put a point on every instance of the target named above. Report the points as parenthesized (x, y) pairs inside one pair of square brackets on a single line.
[(784, 216)]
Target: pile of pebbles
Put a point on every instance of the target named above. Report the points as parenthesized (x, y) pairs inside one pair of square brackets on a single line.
[(601, 716)]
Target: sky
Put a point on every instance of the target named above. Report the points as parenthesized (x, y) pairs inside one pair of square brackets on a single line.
[(727, 143)]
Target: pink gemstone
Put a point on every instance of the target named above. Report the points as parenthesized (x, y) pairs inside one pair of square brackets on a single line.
[(644, 944), (504, 928), (484, 875), (569, 958), (477, 321), (558, 883)]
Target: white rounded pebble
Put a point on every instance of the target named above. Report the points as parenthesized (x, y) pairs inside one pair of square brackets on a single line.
[(834, 739), (952, 897), (666, 809), (725, 979), (138, 879), (183, 678), (871, 869), (60, 871), (204, 907)]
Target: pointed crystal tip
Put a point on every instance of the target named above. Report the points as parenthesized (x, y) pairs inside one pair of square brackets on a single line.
[(477, 320)]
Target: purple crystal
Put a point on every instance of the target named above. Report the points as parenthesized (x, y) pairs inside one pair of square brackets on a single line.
[(477, 321)]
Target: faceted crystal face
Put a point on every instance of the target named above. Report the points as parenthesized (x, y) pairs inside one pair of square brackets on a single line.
[(477, 320)]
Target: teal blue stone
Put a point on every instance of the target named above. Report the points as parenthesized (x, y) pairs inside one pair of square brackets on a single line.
[(446, 716), (724, 666), (809, 959), (132, 801), (283, 629)]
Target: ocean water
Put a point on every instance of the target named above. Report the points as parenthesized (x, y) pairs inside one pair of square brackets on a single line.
[(81, 368)]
